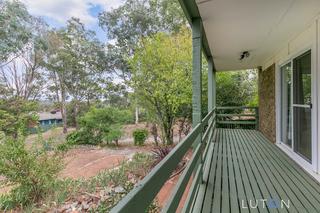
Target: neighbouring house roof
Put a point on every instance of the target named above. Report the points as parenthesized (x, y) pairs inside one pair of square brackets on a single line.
[(50, 115)]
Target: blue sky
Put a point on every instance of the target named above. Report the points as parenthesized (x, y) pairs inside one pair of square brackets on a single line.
[(57, 12)]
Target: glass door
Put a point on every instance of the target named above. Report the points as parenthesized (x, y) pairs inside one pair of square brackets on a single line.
[(302, 106), (296, 105), (286, 104)]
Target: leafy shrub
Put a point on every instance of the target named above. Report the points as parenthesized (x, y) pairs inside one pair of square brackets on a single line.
[(140, 136), (80, 137), (63, 147), (31, 173), (125, 176), (140, 165), (16, 115), (98, 125), (114, 183), (127, 116), (114, 134), (73, 138), (159, 153)]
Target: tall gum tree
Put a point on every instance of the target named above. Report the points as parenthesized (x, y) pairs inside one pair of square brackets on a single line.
[(134, 20)]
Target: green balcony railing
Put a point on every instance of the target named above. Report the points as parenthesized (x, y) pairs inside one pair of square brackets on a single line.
[(238, 117), (139, 199)]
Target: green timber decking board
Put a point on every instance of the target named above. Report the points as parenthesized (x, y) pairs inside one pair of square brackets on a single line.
[(243, 166)]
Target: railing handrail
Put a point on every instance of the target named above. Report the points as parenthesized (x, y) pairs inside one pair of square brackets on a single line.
[(240, 122), (143, 194), (237, 107), (234, 114)]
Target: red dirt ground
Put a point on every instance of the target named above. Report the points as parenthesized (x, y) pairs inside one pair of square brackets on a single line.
[(166, 190), (85, 162)]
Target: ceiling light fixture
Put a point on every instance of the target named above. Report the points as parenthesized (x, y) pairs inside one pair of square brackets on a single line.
[(245, 54)]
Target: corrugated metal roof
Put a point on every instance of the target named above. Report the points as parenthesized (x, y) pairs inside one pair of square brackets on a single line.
[(49, 115)]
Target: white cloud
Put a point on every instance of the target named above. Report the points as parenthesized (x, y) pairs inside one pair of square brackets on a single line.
[(62, 10), (106, 4)]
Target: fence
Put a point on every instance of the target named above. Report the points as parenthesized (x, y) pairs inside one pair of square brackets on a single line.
[(238, 117)]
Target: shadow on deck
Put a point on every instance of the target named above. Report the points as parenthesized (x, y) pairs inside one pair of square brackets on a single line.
[(245, 167)]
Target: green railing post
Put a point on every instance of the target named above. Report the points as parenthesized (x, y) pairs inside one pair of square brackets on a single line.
[(211, 100), (237, 117), (146, 190), (257, 118), (196, 75)]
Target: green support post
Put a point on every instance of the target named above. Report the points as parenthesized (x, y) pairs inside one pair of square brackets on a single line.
[(196, 75), (211, 85), (211, 96), (257, 118)]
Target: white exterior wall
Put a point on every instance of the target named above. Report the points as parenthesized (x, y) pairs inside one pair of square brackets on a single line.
[(300, 43)]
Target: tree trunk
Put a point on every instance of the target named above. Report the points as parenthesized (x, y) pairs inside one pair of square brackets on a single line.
[(168, 134), (76, 112), (137, 115), (64, 109), (181, 126), (154, 132), (64, 112)]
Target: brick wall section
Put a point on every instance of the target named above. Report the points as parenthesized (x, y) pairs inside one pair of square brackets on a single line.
[(267, 115)]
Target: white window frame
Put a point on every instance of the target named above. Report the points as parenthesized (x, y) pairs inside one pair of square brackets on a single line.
[(312, 168)]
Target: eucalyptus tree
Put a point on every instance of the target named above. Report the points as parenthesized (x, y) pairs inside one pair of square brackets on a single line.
[(77, 63), (22, 77), (15, 29), (140, 18), (134, 20), (21, 52), (22, 49), (86, 61), (54, 64)]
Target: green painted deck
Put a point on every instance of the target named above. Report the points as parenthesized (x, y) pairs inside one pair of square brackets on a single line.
[(245, 166)]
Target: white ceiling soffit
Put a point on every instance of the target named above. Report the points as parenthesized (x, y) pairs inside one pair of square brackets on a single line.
[(258, 26)]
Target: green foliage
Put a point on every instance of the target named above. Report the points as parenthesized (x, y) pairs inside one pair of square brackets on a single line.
[(83, 61), (72, 114), (76, 63), (78, 58), (137, 168), (71, 140), (117, 95), (141, 18), (137, 19), (15, 28), (16, 115), (140, 136), (100, 124), (114, 134), (81, 137), (21, 49), (124, 176), (63, 147), (75, 137), (31, 173), (161, 77), (237, 88)]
